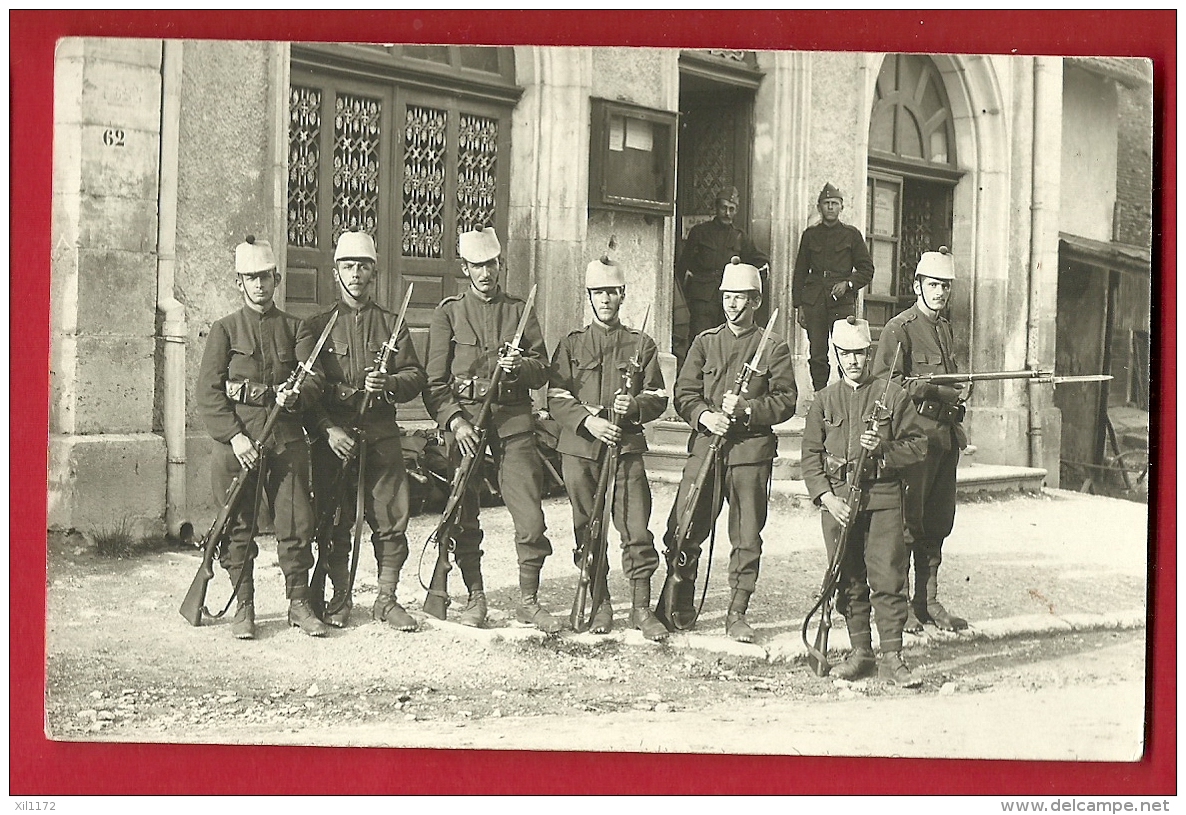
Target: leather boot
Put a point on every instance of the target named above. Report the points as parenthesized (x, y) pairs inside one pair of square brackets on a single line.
[(892, 669), (337, 611), (913, 624), (929, 609), (387, 609), (243, 623), (474, 614), (602, 621), (532, 613), (857, 665), (735, 625), (529, 610), (301, 616), (641, 617)]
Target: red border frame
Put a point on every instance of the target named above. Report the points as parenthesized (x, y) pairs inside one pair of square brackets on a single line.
[(38, 766)]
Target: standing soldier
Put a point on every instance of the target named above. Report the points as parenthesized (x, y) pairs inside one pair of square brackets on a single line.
[(249, 354), (465, 337), (833, 262), (703, 397), (587, 380), (926, 339), (875, 562), (704, 254), (351, 375)]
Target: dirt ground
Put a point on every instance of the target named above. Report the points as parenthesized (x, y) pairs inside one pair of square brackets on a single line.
[(124, 666)]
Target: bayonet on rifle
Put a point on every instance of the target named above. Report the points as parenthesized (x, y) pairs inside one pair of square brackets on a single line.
[(1034, 377)]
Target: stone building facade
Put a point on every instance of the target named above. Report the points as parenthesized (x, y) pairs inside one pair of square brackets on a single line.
[(167, 153)]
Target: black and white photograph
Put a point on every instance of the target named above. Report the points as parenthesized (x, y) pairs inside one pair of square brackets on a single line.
[(604, 399)]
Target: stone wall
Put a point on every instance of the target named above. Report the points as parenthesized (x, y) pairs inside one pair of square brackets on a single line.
[(1089, 116), (106, 465), (1134, 167)]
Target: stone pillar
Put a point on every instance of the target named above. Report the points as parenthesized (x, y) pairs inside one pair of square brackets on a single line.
[(106, 466), (781, 186)]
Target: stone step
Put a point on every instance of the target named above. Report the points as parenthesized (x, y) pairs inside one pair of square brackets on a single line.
[(674, 433), (670, 458)]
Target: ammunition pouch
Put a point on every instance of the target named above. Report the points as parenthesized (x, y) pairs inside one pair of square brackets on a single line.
[(346, 395), (474, 389), (940, 411), (246, 392)]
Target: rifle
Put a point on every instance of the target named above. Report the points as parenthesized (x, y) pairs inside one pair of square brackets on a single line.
[(593, 557), (437, 599), (193, 606), (817, 654), (677, 557), (323, 532), (1034, 377)]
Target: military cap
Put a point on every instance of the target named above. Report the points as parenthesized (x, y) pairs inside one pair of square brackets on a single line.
[(939, 265), (851, 334), (728, 194), (254, 256), (479, 246), (603, 273), (829, 191), (356, 245), (740, 276)]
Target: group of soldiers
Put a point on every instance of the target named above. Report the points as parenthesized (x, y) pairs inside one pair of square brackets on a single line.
[(603, 385)]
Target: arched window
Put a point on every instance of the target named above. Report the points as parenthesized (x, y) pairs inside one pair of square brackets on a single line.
[(911, 119), (912, 171)]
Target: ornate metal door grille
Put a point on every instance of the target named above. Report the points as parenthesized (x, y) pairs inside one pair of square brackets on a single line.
[(477, 176), (304, 160), (356, 165), (424, 181)]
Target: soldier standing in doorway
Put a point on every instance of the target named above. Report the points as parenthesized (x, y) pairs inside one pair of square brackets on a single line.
[(464, 339), (926, 339), (248, 356), (705, 254), (832, 265), (874, 572), (704, 399), (349, 363), (586, 390)]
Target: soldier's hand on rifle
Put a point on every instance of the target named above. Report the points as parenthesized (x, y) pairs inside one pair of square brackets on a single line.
[(871, 441), (801, 318), (715, 423), (623, 403), (376, 381), (510, 359), (603, 430), (341, 442), (949, 394), (287, 398), (467, 436), (835, 506), (839, 290), (245, 450), (733, 404)]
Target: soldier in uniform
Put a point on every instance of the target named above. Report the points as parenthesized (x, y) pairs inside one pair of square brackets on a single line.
[(704, 398), (349, 362), (587, 385), (464, 339), (704, 254), (248, 356), (926, 340), (833, 263), (874, 571)]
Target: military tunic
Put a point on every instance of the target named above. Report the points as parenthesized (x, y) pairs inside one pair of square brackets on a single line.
[(588, 369), (874, 571), (926, 348), (247, 356), (708, 248), (354, 345), (828, 255), (464, 338), (710, 370)]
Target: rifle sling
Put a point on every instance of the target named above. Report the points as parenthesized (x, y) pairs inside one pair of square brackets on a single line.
[(259, 494)]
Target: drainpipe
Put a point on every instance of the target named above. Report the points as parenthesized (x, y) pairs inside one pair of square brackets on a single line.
[(173, 330), (1046, 158)]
